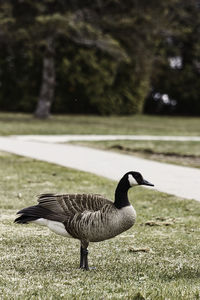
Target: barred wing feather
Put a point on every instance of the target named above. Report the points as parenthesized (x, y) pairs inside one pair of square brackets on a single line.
[(72, 203)]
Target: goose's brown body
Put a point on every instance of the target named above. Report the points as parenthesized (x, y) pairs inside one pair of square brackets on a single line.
[(87, 217)]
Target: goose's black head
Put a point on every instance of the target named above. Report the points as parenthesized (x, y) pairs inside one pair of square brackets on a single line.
[(128, 180), (135, 178)]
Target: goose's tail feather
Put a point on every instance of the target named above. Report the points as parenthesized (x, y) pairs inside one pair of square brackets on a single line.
[(23, 219), (33, 213)]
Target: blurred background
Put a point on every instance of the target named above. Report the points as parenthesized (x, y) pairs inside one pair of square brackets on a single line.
[(100, 57)]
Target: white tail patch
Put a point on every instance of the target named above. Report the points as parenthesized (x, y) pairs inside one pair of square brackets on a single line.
[(132, 180), (54, 226), (41, 221)]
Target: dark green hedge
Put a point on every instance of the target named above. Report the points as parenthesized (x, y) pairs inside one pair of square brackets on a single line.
[(86, 82)]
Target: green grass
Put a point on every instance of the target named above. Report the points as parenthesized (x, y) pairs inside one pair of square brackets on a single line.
[(37, 264), (181, 153), (11, 123)]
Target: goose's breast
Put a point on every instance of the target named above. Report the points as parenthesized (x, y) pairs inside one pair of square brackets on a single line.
[(127, 215), (109, 225)]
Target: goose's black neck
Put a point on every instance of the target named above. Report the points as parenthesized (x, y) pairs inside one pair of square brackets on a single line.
[(121, 194)]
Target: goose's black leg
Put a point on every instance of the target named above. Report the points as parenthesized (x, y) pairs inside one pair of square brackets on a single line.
[(84, 258), (81, 257)]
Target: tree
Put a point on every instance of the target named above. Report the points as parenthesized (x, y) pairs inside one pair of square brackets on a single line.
[(104, 25), (105, 53), (49, 21)]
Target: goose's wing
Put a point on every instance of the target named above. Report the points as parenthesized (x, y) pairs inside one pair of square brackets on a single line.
[(71, 204), (81, 214)]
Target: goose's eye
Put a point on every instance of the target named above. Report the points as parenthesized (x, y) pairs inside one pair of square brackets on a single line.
[(132, 180)]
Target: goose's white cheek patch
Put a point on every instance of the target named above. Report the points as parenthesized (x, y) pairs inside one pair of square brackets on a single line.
[(132, 180)]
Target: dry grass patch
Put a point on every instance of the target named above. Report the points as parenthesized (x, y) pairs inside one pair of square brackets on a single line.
[(18, 123), (37, 264)]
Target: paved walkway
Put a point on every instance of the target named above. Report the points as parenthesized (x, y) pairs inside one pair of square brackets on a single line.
[(90, 137), (172, 179)]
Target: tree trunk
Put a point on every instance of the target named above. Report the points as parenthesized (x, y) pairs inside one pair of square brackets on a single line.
[(48, 83)]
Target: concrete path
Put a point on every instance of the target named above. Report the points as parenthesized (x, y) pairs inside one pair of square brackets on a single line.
[(172, 179), (90, 137)]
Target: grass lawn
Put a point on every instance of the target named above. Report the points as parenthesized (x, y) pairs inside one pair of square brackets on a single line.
[(180, 153), (15, 123), (37, 264)]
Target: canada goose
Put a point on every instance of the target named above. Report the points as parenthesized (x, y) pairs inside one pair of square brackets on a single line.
[(87, 217)]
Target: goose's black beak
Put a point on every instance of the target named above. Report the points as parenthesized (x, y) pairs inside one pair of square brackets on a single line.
[(145, 182)]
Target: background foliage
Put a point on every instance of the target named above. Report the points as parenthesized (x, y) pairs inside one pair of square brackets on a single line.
[(110, 57)]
